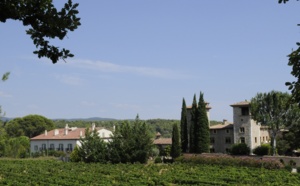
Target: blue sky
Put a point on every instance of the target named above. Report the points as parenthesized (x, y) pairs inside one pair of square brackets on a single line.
[(142, 57)]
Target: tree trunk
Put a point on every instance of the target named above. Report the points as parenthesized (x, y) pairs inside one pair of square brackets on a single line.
[(274, 143)]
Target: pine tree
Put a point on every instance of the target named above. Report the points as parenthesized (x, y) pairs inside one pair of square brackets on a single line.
[(193, 125), (93, 148), (175, 148), (131, 142), (203, 138), (184, 128)]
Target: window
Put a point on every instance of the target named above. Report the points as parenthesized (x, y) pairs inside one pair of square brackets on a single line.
[(212, 140), (215, 131), (51, 146), (242, 130), (70, 147), (43, 146), (212, 150), (242, 139), (227, 150), (36, 147), (228, 140), (227, 131), (263, 139), (61, 147), (245, 111), (255, 139)]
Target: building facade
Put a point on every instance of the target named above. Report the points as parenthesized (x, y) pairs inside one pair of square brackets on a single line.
[(65, 139), (243, 129)]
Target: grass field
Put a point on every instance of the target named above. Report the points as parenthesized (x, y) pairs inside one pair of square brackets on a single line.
[(52, 172)]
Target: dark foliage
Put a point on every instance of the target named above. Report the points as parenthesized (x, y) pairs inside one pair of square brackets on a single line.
[(262, 150), (184, 128), (30, 126), (131, 143), (203, 137), (193, 125), (175, 148), (45, 22), (240, 149)]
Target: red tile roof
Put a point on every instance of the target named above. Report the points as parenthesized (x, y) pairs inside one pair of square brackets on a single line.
[(73, 133), (163, 141), (222, 126), (242, 103)]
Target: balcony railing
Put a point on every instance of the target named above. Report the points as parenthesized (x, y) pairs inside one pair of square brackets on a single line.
[(69, 149)]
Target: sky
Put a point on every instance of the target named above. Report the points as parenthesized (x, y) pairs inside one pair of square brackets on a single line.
[(143, 57)]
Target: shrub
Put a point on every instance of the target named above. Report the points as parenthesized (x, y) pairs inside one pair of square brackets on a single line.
[(288, 168), (167, 159), (298, 169), (157, 160), (35, 154), (292, 163), (240, 149), (243, 161), (59, 154), (74, 156), (262, 150)]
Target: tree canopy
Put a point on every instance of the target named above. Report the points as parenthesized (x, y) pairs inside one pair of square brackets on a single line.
[(184, 128), (273, 110), (93, 148), (30, 126), (175, 148), (203, 138), (45, 22), (131, 143)]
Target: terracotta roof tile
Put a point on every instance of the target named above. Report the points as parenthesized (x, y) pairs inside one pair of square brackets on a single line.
[(242, 103), (163, 141), (222, 126), (59, 134)]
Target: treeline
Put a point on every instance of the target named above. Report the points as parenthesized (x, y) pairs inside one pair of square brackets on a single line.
[(15, 134), (195, 136), (163, 126)]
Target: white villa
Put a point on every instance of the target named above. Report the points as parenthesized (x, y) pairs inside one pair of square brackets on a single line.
[(64, 139)]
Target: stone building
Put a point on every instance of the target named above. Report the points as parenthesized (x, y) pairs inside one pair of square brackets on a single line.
[(243, 129)]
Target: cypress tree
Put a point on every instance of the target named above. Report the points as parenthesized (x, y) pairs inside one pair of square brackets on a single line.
[(203, 138), (184, 128), (175, 148), (193, 125)]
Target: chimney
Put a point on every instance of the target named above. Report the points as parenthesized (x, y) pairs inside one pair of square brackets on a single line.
[(93, 126), (224, 121), (56, 132), (80, 133), (46, 132), (66, 129)]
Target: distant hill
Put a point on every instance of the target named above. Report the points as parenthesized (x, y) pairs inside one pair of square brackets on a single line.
[(87, 119), (72, 119)]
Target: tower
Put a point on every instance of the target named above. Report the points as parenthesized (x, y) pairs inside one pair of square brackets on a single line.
[(245, 129)]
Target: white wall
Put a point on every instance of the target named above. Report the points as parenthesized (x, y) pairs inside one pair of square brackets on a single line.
[(56, 143)]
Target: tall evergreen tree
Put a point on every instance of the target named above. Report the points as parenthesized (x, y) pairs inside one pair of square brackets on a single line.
[(131, 142), (203, 137), (193, 125), (175, 148), (184, 128), (93, 148)]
